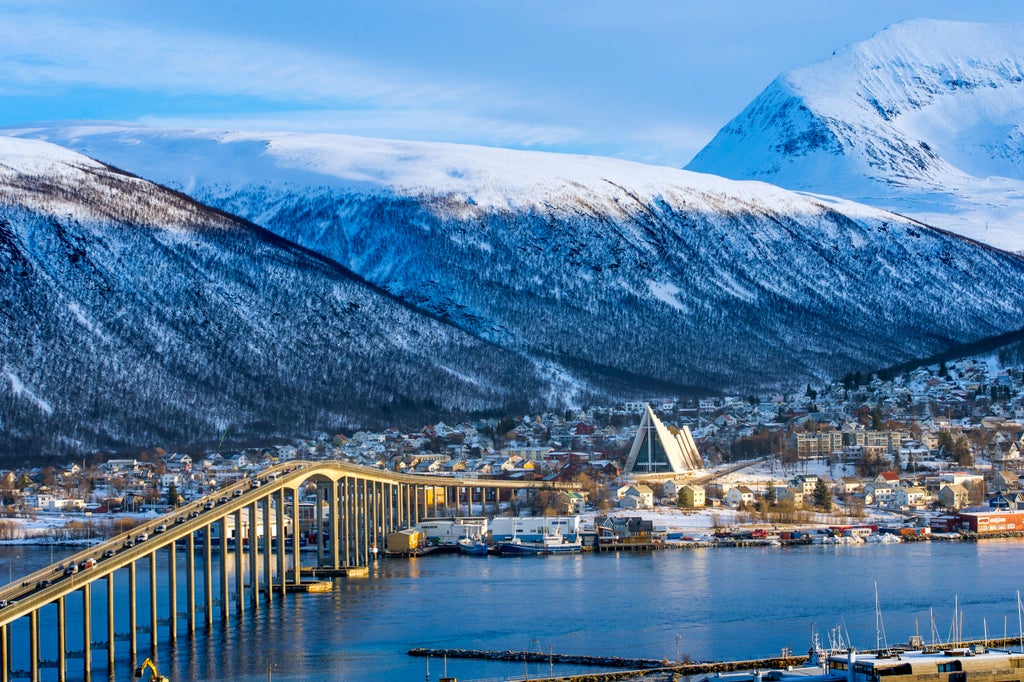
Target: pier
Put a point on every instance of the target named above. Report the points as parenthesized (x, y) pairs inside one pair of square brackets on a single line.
[(627, 668)]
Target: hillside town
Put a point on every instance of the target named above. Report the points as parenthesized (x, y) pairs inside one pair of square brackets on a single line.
[(940, 439)]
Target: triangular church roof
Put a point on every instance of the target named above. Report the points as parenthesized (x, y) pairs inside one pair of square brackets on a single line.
[(658, 450)]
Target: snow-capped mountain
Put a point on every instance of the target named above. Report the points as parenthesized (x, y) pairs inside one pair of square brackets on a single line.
[(658, 277), (925, 118), (133, 316)]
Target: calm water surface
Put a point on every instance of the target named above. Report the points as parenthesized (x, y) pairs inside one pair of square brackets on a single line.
[(715, 603)]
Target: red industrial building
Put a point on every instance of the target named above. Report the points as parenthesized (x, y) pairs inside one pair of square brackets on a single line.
[(980, 522)]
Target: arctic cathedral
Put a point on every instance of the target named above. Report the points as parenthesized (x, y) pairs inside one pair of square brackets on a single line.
[(657, 450)]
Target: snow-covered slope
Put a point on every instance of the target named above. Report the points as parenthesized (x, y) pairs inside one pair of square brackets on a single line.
[(925, 118), (659, 277), (133, 316)]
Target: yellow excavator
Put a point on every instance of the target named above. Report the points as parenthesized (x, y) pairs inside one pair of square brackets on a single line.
[(154, 675)]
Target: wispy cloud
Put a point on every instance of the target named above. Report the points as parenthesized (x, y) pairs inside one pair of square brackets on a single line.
[(300, 90), (47, 51)]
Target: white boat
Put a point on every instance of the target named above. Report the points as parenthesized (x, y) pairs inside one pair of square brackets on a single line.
[(550, 543)]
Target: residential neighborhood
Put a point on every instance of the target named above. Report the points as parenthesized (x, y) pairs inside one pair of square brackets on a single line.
[(942, 438)]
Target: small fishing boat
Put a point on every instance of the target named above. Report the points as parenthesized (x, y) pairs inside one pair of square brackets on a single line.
[(473, 547)]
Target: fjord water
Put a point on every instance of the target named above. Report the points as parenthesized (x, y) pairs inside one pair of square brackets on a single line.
[(721, 603)]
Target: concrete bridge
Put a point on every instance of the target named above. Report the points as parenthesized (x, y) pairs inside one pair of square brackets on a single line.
[(257, 542)]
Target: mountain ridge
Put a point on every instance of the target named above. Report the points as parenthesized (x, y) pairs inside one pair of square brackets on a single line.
[(145, 318), (566, 257)]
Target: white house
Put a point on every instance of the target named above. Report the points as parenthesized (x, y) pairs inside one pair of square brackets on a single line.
[(636, 496), (741, 494)]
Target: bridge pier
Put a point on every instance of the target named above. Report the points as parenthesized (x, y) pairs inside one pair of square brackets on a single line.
[(281, 556), (62, 644), (190, 584), (87, 630), (268, 552), (34, 645), (133, 618), (110, 621)]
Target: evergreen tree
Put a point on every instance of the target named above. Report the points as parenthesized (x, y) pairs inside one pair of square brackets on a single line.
[(172, 495), (876, 418), (822, 495)]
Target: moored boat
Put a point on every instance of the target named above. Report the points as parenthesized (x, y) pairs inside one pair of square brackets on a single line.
[(473, 547), (551, 543)]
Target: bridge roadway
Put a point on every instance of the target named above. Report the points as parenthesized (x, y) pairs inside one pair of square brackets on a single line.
[(370, 503)]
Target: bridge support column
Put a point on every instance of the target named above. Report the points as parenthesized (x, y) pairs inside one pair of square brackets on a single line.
[(239, 564), (110, 624), (365, 505), (254, 556), (172, 592), (133, 615), (208, 575), (190, 583), (33, 645), (87, 630), (268, 551), (5, 654), (153, 620), (282, 583), (225, 598), (62, 639), (345, 504), (321, 497), (335, 511), (296, 539)]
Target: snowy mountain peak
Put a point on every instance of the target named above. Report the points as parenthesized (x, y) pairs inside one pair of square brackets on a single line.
[(923, 118)]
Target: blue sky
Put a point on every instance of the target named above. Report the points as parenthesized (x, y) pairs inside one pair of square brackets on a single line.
[(645, 80)]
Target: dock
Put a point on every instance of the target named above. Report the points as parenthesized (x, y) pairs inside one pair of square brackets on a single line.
[(630, 665), (342, 572)]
